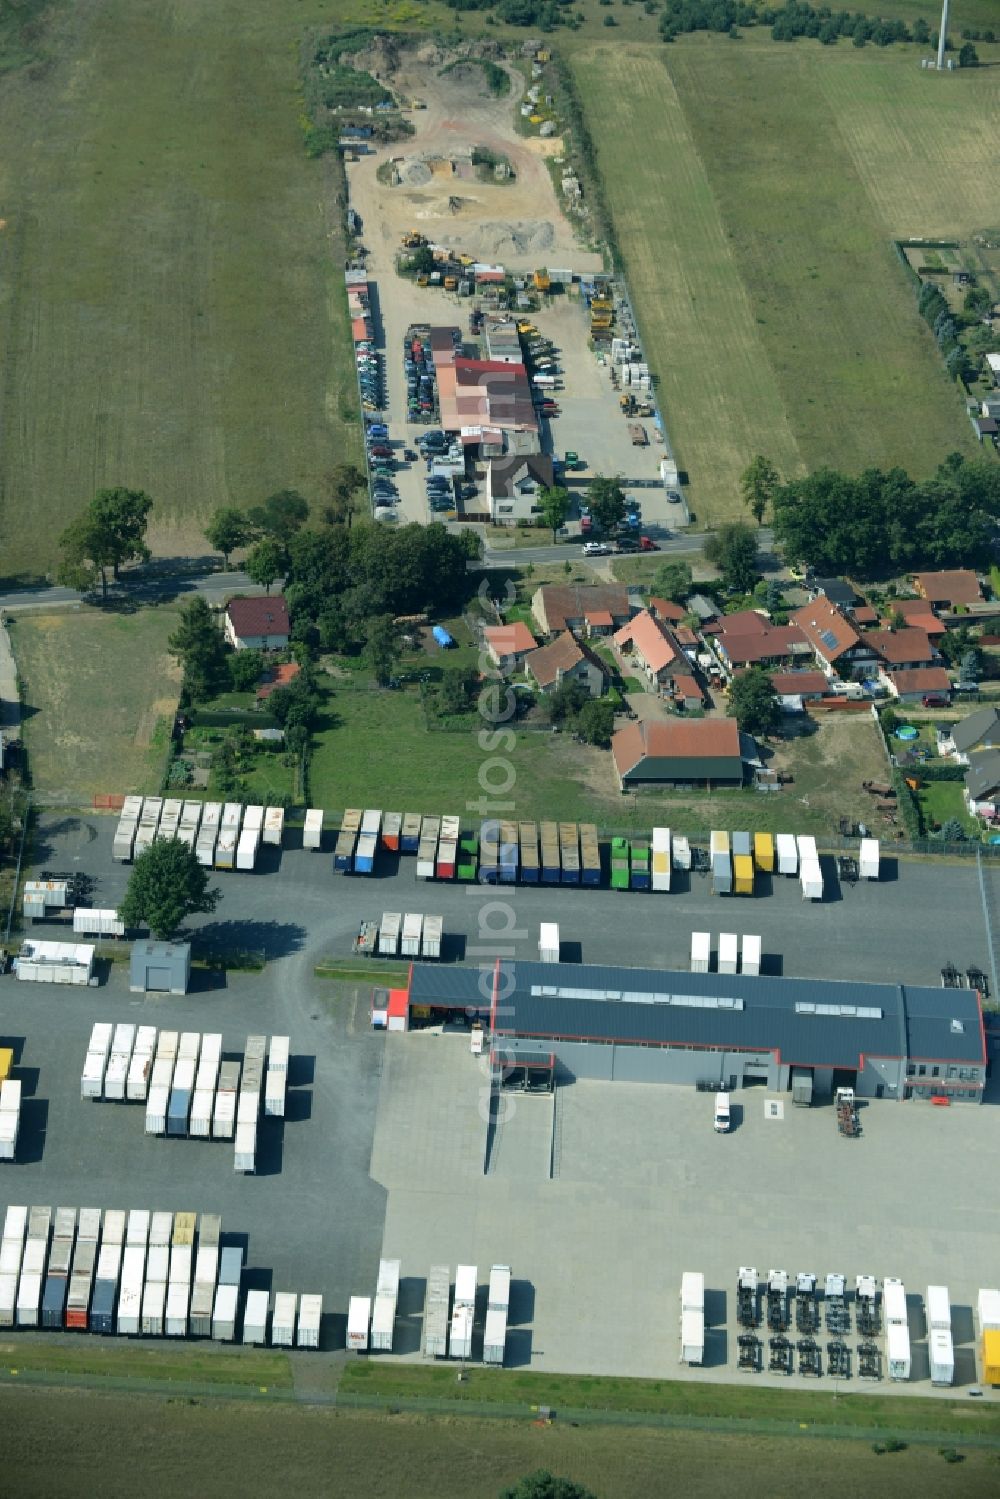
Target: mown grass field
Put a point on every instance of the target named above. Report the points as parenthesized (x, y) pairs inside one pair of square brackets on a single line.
[(233, 1449), (757, 188), (99, 694), (171, 299)]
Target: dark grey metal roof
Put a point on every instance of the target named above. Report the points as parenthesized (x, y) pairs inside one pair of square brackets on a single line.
[(973, 730), (917, 1020), (983, 774)]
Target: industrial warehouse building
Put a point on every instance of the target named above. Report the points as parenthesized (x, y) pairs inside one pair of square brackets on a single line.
[(645, 1025)]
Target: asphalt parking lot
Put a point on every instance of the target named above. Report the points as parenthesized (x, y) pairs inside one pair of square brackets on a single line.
[(643, 1189)]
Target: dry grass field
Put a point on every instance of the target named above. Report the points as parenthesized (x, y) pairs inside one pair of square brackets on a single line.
[(757, 189), (99, 694), (170, 270)]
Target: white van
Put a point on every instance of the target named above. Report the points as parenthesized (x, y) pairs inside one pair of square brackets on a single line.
[(722, 1113)]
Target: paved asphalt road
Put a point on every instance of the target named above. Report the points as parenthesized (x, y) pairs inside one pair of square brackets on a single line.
[(669, 545)]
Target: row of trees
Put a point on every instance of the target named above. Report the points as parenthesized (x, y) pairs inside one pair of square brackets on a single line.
[(882, 521), (800, 19), (963, 338)]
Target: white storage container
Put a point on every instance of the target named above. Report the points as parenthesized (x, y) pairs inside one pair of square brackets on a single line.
[(200, 1121), (894, 1300), (310, 1317), (466, 1280), (116, 1076), (255, 1317), (154, 1297), (941, 1354), (383, 1321), (692, 1291), (8, 1298), (938, 1307), (178, 1301), (160, 1228), (156, 1111), (897, 1351), (312, 833), (181, 1257), (274, 1094), (413, 925), (274, 825), (811, 879), (245, 1152), (248, 1107), (682, 852), (92, 1077), (9, 1129), (692, 1337), (114, 1226), (247, 848), (495, 1336), (283, 1320), (15, 1222), (460, 1341), (158, 1262), (787, 852), (436, 1311), (277, 1054), (751, 954), (162, 1072), (206, 1265), (988, 1311), (498, 1296), (224, 1116), (728, 952), (29, 1297), (868, 864), (701, 952), (359, 1314), (548, 942), (224, 1315), (137, 1231), (10, 1256)]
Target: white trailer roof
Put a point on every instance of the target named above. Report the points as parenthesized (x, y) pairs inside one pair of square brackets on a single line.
[(466, 1280), (701, 946), (938, 1307), (548, 934), (728, 947), (751, 948)]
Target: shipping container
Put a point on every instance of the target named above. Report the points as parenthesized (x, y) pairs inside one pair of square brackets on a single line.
[(8, 1299), (718, 843), (388, 933), (178, 1301), (722, 874), (988, 1311), (681, 852), (806, 846), (937, 1306), (409, 838), (364, 857), (639, 850), (200, 1120), (39, 1222), (661, 860), (178, 1111), (81, 1283), (156, 1111), (34, 1256), (763, 852), (205, 845), (897, 1351), (788, 853), (274, 826), (436, 1312), (751, 954), (741, 845), (460, 1339), (359, 1314), (548, 942), (310, 1318), (130, 1291), (154, 1301), (181, 1263), (54, 1291), (137, 1229), (527, 837), (167, 1043), (811, 879), (413, 926), (894, 1301), (158, 1262), (10, 1256), (224, 1315), (114, 1227), (868, 863), (15, 1222), (92, 1078), (283, 1320), (202, 1302), (569, 852), (548, 834), (433, 933), (312, 831), (225, 849), (742, 874), (692, 1291), (247, 1104), (701, 952), (495, 1336), (247, 848), (728, 952), (224, 1115), (466, 1281), (91, 921), (392, 824), (245, 1153), (692, 1337), (447, 858), (941, 1355), (29, 1299), (590, 854), (124, 841), (990, 1354), (102, 1305), (468, 858), (274, 1094), (230, 1265), (619, 864)]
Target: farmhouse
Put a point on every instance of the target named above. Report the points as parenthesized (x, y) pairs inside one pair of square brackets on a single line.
[(566, 659), (512, 486), (649, 647), (258, 624), (585, 609), (946, 590), (835, 642), (508, 645), (682, 752)]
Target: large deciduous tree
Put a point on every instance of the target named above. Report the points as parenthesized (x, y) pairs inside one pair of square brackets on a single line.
[(198, 647), (553, 502), (265, 562), (606, 499), (733, 550), (754, 703), (166, 886), (759, 484), (228, 530), (110, 532)]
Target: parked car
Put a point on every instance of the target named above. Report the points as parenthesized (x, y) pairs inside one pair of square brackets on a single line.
[(647, 544), (673, 497), (595, 549), (935, 700)]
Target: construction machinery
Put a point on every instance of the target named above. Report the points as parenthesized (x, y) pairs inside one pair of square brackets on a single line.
[(806, 1309), (413, 239), (747, 1308)]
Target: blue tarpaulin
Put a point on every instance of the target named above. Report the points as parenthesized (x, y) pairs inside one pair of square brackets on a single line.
[(442, 637)]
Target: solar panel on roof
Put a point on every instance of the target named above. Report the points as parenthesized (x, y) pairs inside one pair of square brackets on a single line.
[(829, 639)]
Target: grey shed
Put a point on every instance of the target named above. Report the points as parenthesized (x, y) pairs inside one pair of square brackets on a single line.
[(164, 967)]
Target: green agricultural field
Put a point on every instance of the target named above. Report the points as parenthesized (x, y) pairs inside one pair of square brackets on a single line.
[(99, 694), (271, 1450), (172, 313), (757, 188)]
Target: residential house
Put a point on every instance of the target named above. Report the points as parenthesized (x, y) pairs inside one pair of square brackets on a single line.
[(580, 607), (278, 676), (775, 645), (902, 649), (508, 645), (918, 615), (687, 693), (259, 624), (911, 685), (982, 784), (836, 644), (980, 731), (512, 487), (701, 606), (794, 687), (986, 428), (947, 590), (649, 647), (680, 752), (566, 659), (837, 591), (667, 611), (865, 616)]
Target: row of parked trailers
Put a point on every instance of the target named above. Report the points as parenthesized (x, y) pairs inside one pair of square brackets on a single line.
[(136, 1273), (449, 1325), (187, 1088), (735, 858), (223, 835), (410, 934), (731, 959)]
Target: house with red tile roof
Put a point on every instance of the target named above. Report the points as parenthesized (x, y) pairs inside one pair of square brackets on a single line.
[(259, 624), (947, 589), (667, 610), (836, 644), (793, 687), (679, 752), (919, 614), (580, 607), (904, 649), (508, 645), (911, 685), (648, 646)]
